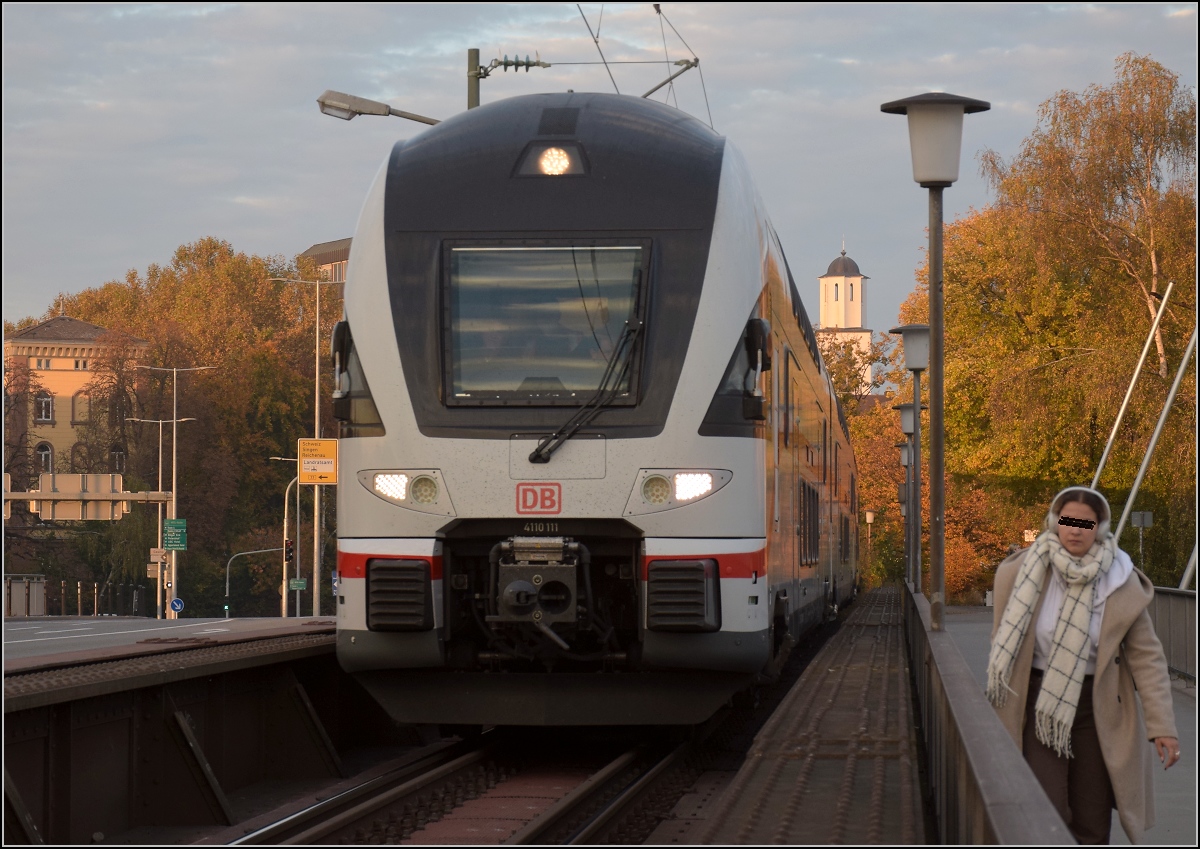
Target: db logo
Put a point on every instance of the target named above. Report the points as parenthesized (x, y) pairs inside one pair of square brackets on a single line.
[(545, 498)]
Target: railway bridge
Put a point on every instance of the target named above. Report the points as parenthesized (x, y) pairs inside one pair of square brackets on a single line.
[(127, 730)]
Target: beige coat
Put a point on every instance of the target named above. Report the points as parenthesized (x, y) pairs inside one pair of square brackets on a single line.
[(1128, 658)]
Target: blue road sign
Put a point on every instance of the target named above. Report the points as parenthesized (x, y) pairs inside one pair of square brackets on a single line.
[(177, 604)]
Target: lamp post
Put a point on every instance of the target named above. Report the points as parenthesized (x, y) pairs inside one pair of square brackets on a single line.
[(230, 561), (316, 284), (915, 340), (911, 457), (935, 138), (173, 581), (158, 608), (283, 605), (902, 497), (870, 517)]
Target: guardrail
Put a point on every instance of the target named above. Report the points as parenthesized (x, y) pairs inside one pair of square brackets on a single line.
[(982, 789), (1174, 615)]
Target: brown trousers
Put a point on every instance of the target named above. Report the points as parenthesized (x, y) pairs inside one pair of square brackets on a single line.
[(1078, 786)]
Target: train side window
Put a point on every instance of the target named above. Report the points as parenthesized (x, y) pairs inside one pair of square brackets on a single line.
[(353, 405), (738, 404)]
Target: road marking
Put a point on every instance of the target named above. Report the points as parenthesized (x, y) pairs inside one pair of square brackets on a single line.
[(64, 630), (106, 633), (213, 631), (25, 628)]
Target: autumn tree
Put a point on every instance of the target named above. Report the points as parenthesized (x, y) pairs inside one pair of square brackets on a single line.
[(1050, 293)]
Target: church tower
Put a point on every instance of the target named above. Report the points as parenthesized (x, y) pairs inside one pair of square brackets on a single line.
[(843, 305)]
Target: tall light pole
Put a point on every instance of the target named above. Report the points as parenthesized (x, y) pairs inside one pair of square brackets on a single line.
[(174, 577), (159, 603), (870, 517), (915, 340), (283, 605), (912, 461), (902, 497), (935, 137), (316, 284)]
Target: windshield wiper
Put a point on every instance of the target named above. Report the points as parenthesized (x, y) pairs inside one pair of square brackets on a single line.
[(610, 384)]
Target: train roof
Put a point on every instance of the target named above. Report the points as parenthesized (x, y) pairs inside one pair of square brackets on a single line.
[(646, 164)]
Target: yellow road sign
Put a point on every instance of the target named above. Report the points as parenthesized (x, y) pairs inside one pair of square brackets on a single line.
[(317, 460)]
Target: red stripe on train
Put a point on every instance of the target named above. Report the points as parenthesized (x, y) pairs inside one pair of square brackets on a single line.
[(743, 564), (355, 565)]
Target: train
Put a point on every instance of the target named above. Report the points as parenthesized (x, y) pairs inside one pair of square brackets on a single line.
[(592, 469)]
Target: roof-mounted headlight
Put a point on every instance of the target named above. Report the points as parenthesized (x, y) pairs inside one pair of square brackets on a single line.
[(552, 159)]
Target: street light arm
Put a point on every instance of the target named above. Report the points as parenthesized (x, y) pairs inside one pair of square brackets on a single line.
[(338, 104)]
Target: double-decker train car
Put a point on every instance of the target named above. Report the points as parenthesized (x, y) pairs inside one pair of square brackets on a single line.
[(591, 468)]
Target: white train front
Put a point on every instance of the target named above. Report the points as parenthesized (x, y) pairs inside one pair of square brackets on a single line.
[(591, 468)]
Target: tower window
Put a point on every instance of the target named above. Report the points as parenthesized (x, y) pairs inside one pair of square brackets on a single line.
[(835, 291), (851, 298)]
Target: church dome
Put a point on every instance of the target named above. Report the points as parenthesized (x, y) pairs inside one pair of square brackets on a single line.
[(843, 266)]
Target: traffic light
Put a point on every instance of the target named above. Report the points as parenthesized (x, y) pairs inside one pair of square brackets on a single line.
[(289, 552)]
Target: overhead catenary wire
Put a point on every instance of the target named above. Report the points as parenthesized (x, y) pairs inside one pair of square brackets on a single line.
[(666, 56), (703, 87), (596, 40)]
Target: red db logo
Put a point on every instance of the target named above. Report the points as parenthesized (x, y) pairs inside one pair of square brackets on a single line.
[(539, 498)]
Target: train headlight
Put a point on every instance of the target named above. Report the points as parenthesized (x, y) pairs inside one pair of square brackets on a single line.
[(656, 489), (422, 490), (393, 486), (552, 159), (666, 489), (692, 485)]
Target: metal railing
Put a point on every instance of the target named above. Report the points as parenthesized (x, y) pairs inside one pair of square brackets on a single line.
[(982, 789), (1174, 615)]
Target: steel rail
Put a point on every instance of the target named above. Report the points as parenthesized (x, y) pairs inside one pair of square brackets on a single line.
[(343, 810), (617, 808)]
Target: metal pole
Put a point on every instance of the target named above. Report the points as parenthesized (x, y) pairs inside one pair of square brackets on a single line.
[(158, 604), (472, 77), (296, 551), (283, 604), (1162, 309), (1162, 420), (95, 599), (915, 460), (1142, 547), (79, 598), (317, 435), (174, 479), (937, 425), (1189, 571)]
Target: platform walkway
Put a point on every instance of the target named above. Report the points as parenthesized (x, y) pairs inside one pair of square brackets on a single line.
[(838, 761)]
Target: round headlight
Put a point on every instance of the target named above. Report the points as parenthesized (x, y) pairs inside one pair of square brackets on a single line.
[(424, 490), (656, 489), (554, 161)]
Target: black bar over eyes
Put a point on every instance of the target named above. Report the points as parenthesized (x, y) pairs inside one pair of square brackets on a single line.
[(1076, 523)]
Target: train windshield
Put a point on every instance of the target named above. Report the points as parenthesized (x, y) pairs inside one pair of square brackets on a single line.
[(539, 324)]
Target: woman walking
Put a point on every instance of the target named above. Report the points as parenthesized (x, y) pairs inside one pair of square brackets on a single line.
[(1071, 642)]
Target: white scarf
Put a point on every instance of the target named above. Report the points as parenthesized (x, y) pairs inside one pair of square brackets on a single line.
[(1063, 679)]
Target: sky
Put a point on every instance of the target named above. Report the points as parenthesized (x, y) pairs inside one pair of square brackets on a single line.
[(129, 130)]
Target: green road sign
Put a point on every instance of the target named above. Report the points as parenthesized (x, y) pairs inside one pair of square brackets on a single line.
[(175, 534), (298, 584)]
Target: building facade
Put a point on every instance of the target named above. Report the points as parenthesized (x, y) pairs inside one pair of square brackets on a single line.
[(49, 409)]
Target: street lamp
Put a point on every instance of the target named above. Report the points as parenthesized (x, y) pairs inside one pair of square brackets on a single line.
[(935, 138), (348, 107), (174, 465), (915, 340), (158, 608), (283, 612), (870, 517), (902, 496), (317, 284)]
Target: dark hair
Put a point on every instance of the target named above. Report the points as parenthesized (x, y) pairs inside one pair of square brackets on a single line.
[(1085, 496)]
